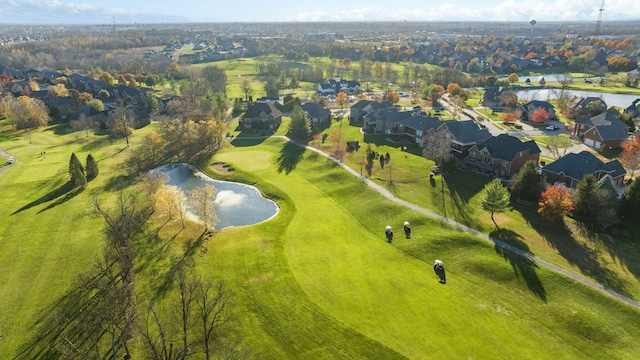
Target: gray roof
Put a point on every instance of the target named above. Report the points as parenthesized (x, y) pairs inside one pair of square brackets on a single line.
[(612, 133), (255, 110), (421, 122), (576, 166), (506, 147), (467, 132), (315, 110)]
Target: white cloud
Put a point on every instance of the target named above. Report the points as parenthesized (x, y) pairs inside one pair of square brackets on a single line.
[(508, 10)]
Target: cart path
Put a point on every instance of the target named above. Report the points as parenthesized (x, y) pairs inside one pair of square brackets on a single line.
[(386, 193)]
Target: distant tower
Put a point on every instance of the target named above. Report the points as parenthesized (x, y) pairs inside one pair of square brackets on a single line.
[(599, 22), (533, 23)]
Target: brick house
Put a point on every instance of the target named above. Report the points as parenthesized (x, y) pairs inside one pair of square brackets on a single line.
[(501, 155)]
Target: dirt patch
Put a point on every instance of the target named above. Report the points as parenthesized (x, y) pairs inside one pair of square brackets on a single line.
[(260, 278), (222, 168)]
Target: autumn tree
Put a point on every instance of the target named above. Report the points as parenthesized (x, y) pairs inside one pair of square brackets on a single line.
[(453, 89), (392, 97), (540, 115), (495, 197), (25, 112), (300, 125), (78, 177), (173, 70), (555, 203), (630, 155), (57, 90), (202, 201), (121, 123), (509, 117), (527, 185), (342, 99), (438, 146), (508, 98), (91, 168), (513, 78)]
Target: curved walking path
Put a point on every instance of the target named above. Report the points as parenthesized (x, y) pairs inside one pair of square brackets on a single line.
[(386, 193)]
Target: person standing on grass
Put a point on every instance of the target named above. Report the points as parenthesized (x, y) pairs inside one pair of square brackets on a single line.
[(389, 233)]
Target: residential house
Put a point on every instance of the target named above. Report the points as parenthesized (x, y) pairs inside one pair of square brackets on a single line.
[(501, 155), (319, 116), (261, 116), (384, 121), (527, 110), (163, 103), (466, 133), (604, 131), (571, 169), (59, 107), (22, 87), (364, 107), (268, 100), (88, 84), (634, 74), (12, 73), (632, 108), (129, 96), (585, 107), (90, 113), (417, 128), (491, 97), (337, 85)]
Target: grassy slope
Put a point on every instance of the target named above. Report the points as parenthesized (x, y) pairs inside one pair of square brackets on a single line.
[(46, 235), (314, 283), (389, 293)]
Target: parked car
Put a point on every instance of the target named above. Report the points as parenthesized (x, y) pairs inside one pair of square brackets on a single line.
[(551, 127)]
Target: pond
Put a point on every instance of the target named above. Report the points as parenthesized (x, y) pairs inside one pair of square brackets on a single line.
[(237, 204), (548, 94)]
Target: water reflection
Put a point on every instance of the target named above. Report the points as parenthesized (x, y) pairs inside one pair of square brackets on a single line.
[(237, 204)]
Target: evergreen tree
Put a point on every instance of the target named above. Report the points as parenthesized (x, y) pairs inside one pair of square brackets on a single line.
[(584, 201), (607, 202), (91, 168), (527, 186), (631, 198), (495, 197), (300, 125), (76, 171)]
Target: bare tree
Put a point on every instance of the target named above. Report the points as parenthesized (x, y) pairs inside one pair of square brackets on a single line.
[(438, 146), (561, 94), (245, 86), (213, 312)]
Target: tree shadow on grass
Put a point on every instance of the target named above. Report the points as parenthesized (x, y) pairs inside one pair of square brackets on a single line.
[(586, 258), (290, 156), (66, 320), (460, 190), (622, 242), (522, 266), (66, 188)]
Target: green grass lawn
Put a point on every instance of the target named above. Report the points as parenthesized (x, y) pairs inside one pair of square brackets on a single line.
[(319, 281)]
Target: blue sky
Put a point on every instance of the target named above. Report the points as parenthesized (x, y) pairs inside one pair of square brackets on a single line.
[(92, 11)]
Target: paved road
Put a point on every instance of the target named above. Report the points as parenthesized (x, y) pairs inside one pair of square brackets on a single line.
[(5, 165), (496, 242)]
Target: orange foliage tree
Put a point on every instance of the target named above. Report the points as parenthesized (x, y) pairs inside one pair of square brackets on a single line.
[(540, 115), (630, 155), (392, 97), (555, 203), (510, 117), (453, 89)]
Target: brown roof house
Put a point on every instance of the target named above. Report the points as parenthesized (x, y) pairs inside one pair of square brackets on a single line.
[(501, 155), (261, 116), (604, 131), (571, 169)]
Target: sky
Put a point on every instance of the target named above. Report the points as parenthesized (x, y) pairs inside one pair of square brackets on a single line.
[(154, 11)]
